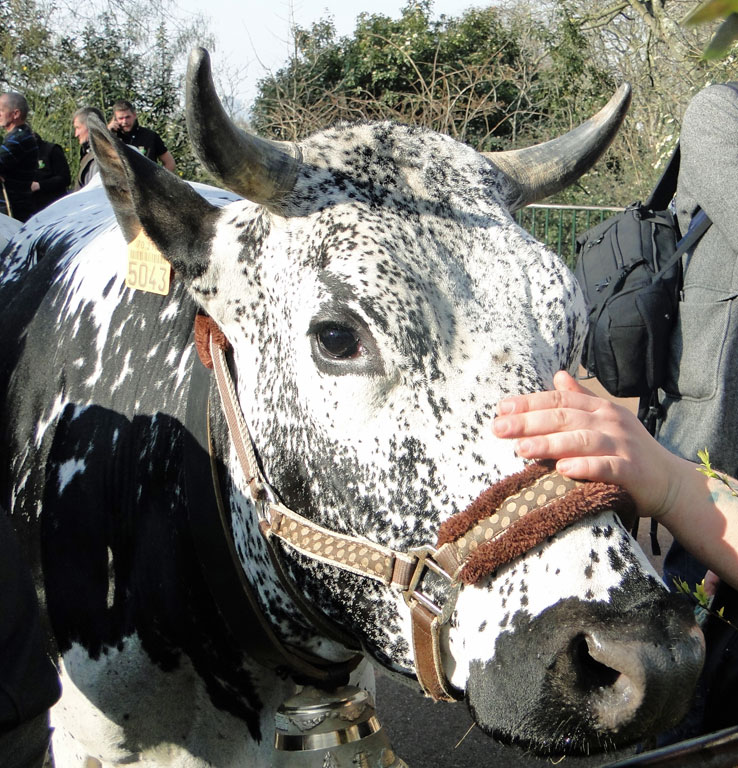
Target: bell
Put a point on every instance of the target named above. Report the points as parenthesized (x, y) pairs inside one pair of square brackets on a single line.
[(331, 729)]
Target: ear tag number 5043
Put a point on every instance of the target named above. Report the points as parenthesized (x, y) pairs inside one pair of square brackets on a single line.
[(148, 270)]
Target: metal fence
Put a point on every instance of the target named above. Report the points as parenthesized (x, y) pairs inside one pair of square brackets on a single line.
[(558, 225)]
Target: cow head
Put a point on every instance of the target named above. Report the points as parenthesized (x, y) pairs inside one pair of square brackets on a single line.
[(380, 300)]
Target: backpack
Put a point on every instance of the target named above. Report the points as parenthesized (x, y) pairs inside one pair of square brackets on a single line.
[(629, 268)]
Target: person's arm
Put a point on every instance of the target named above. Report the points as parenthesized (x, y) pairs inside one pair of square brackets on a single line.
[(710, 130), (11, 153), (167, 161), (594, 439)]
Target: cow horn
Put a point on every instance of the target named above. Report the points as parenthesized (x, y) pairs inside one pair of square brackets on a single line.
[(543, 169), (260, 170)]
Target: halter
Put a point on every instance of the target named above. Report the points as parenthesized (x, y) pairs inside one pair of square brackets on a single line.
[(507, 520)]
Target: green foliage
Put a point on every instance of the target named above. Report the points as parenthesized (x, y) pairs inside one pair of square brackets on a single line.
[(704, 603), (137, 55), (705, 467), (726, 34), (697, 593), (496, 77), (469, 76)]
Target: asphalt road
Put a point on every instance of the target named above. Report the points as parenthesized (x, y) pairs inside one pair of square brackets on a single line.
[(432, 735)]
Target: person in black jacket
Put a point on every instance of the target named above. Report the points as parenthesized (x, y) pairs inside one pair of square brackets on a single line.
[(18, 157), (52, 179), (29, 683), (125, 126)]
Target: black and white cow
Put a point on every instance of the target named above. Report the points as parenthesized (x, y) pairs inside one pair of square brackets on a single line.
[(8, 227), (379, 300)]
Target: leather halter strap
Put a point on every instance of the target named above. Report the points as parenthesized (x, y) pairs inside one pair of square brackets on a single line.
[(505, 522), (212, 539)]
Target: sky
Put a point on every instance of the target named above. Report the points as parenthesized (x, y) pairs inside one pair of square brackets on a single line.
[(252, 36)]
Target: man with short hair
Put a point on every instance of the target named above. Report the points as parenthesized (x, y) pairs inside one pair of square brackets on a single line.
[(18, 157), (125, 126)]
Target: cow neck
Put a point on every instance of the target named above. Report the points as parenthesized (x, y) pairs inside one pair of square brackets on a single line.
[(505, 522), (212, 539)]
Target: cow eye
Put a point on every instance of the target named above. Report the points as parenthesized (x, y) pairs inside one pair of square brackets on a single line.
[(339, 342)]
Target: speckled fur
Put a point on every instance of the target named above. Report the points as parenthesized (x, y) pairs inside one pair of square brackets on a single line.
[(397, 233)]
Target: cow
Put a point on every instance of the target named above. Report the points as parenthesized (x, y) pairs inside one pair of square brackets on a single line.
[(370, 298), (8, 227)]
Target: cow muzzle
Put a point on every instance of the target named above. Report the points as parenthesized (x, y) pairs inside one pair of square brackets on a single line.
[(603, 677)]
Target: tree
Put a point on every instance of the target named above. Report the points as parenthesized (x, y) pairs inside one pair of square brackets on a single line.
[(506, 75), (650, 47), (134, 51), (469, 76), (494, 77)]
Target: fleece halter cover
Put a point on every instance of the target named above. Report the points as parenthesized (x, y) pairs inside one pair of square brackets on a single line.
[(518, 513)]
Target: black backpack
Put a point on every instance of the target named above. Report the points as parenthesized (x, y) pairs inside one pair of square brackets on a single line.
[(629, 268)]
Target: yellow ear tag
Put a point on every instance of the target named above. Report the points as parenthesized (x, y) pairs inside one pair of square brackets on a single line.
[(148, 270)]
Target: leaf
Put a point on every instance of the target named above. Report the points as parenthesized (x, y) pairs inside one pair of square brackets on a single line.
[(700, 595), (723, 39), (711, 10)]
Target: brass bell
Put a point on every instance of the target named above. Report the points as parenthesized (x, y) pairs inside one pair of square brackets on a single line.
[(331, 729)]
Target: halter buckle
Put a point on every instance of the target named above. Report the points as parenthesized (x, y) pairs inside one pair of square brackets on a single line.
[(424, 559)]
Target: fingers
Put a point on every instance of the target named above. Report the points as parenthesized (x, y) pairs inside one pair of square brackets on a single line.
[(591, 439), (599, 469), (564, 445), (564, 381), (567, 393), (584, 433), (540, 401), (582, 421)]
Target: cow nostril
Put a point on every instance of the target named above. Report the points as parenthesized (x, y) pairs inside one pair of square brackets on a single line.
[(590, 674), (610, 678)]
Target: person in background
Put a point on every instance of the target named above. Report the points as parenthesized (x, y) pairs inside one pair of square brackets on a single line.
[(701, 388), (125, 126), (18, 157), (29, 683), (52, 176), (87, 164)]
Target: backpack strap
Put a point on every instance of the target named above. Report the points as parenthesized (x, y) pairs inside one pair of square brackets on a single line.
[(697, 227), (665, 188)]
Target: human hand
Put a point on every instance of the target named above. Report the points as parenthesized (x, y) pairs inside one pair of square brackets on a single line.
[(35, 186), (591, 439)]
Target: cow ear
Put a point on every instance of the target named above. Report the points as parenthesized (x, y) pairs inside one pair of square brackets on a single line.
[(146, 196)]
